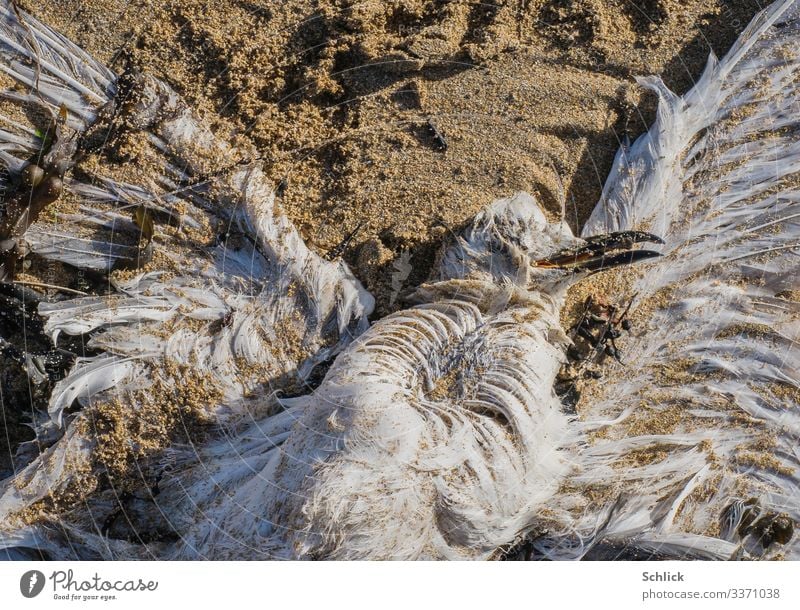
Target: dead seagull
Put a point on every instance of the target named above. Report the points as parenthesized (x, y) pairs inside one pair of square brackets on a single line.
[(437, 432)]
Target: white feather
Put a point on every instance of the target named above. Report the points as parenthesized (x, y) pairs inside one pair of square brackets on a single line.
[(436, 433)]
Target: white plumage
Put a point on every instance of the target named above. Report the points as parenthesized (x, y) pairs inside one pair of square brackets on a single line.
[(436, 433), (716, 176)]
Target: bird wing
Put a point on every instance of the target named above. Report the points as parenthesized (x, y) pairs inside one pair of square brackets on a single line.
[(224, 320), (237, 270), (692, 444), (55, 71), (253, 305)]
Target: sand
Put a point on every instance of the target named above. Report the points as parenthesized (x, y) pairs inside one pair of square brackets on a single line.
[(337, 96)]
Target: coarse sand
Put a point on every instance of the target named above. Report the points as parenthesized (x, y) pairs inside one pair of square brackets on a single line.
[(343, 100)]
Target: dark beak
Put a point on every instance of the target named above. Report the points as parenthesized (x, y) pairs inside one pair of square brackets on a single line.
[(603, 252)]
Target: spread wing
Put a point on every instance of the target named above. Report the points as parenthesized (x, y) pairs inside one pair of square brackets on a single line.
[(234, 307), (692, 445), (231, 272)]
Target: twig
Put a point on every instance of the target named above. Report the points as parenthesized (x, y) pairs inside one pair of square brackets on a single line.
[(339, 249), (624, 314), (53, 286)]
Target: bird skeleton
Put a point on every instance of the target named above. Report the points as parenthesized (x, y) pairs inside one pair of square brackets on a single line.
[(436, 432)]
